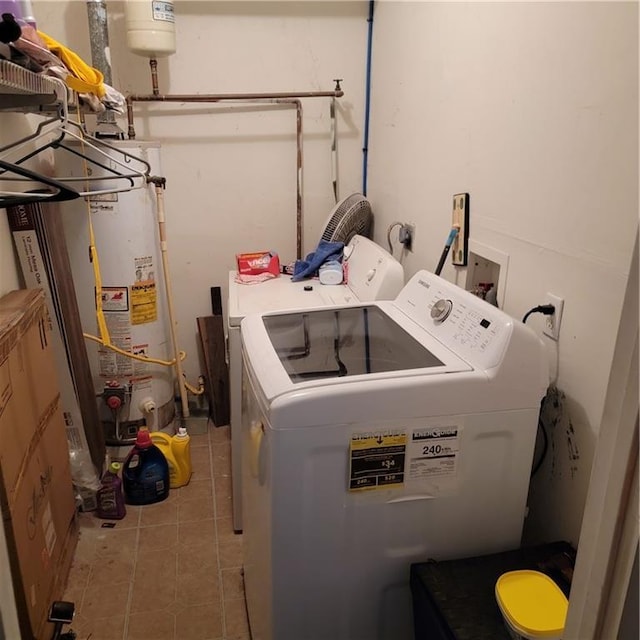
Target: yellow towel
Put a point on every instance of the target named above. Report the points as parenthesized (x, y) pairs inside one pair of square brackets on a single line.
[(82, 77)]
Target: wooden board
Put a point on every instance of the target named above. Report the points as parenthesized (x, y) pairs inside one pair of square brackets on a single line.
[(211, 330)]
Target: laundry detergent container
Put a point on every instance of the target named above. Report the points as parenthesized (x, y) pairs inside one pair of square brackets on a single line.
[(532, 605)]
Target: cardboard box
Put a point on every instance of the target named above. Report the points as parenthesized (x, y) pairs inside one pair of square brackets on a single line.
[(36, 495), (42, 512)]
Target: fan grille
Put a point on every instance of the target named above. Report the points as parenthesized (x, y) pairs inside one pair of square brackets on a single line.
[(352, 216)]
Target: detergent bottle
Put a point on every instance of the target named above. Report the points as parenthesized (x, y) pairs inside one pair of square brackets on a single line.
[(109, 497), (177, 451), (145, 475)]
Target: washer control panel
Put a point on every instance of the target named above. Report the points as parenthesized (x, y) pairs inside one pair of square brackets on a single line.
[(468, 325)]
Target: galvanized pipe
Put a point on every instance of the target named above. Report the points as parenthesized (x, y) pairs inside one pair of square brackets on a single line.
[(100, 52)]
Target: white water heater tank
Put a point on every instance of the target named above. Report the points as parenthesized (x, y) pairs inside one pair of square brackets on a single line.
[(130, 393), (150, 26)]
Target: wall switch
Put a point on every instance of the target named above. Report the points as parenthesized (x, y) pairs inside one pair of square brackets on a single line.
[(552, 322), (460, 219)]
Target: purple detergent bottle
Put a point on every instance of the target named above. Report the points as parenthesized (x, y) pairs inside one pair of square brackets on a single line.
[(110, 497)]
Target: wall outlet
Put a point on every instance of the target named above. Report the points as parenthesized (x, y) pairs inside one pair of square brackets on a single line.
[(552, 322), (460, 219), (405, 235)]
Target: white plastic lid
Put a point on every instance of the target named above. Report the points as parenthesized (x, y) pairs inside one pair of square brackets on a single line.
[(182, 432)]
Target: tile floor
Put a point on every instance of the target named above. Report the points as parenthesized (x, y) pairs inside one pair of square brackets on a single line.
[(170, 571)]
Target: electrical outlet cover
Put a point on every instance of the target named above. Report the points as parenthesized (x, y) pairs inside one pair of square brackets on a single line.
[(460, 218), (552, 323)]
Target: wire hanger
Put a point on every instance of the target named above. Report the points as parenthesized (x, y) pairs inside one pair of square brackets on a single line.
[(57, 192), (115, 164)]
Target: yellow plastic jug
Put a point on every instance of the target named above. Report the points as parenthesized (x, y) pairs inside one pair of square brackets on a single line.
[(177, 451)]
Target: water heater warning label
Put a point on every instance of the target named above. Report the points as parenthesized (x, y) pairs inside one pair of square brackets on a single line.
[(144, 305), (433, 451), (376, 460)]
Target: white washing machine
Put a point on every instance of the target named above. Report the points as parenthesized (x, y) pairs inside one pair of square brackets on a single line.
[(375, 436), (373, 274)]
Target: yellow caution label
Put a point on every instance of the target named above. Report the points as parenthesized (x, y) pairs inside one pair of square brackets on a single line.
[(376, 460), (144, 302)]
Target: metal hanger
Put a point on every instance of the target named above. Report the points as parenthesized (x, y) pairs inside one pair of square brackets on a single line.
[(57, 192), (116, 164)]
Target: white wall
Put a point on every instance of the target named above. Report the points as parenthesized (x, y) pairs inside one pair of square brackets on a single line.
[(231, 172), (532, 108)]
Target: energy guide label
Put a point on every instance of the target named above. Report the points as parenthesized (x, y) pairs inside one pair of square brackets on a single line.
[(433, 451), (376, 460)]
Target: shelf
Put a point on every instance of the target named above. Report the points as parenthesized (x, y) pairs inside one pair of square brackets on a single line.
[(23, 90)]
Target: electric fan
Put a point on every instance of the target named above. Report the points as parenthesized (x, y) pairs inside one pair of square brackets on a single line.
[(351, 216)]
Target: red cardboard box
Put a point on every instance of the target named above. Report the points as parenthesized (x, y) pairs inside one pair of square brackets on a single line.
[(253, 264)]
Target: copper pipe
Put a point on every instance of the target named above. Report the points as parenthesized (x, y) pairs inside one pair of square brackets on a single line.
[(153, 63), (292, 98)]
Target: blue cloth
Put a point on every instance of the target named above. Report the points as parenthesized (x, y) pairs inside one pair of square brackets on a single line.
[(324, 252)]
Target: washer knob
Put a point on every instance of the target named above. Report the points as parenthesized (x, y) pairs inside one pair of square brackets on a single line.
[(441, 309)]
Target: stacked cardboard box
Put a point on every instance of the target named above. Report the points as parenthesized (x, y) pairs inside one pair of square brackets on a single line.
[(36, 495)]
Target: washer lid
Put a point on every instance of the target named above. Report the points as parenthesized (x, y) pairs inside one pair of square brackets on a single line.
[(296, 350)]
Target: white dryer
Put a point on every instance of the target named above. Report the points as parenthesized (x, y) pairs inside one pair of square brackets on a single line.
[(373, 274), (375, 436)]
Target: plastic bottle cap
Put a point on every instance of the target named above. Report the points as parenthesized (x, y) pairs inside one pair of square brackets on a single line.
[(115, 467), (143, 439), (182, 433)]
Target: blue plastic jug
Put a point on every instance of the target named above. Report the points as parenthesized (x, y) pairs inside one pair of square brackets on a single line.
[(145, 476)]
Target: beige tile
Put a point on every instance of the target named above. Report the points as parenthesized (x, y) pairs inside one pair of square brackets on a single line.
[(110, 541), (108, 628), (156, 566), (174, 586), (200, 463), (196, 510), (200, 454), (196, 534), (225, 531), (222, 486), (230, 554), (86, 547), (221, 454), (198, 588), (154, 586), (112, 569), (104, 601), (73, 594), (224, 508), (163, 536), (219, 435), (160, 626), (235, 618), (197, 488), (199, 440), (79, 573), (232, 584), (151, 597), (202, 622), (201, 560), (165, 512)]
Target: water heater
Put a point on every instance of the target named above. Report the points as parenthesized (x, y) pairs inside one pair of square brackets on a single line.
[(130, 393), (150, 26)]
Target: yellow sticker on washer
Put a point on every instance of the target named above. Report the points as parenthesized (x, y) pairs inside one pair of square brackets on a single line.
[(144, 302), (376, 460)]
